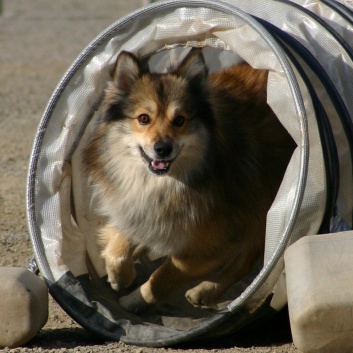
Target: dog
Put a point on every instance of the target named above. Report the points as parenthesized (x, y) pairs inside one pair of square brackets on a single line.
[(186, 165)]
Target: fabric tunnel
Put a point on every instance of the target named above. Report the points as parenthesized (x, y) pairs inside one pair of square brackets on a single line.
[(307, 47)]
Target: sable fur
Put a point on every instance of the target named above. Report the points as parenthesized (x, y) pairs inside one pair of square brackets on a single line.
[(204, 202)]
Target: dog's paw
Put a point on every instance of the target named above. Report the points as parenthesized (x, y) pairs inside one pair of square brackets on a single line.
[(121, 272), (203, 295), (135, 301)]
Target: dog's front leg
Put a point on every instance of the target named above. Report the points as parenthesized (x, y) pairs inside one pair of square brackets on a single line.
[(118, 256), (165, 280)]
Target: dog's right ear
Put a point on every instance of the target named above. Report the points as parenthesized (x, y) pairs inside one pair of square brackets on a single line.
[(193, 65), (127, 70)]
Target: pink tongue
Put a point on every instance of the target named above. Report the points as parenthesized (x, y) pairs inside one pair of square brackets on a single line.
[(159, 164)]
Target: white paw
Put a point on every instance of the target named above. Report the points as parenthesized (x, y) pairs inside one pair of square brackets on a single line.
[(121, 272), (203, 295)]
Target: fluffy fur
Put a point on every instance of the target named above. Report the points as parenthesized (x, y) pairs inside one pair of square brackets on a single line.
[(186, 165)]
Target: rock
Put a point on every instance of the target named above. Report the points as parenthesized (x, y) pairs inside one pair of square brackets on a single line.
[(23, 306)]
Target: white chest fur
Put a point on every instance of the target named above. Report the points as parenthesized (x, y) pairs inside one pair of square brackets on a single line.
[(151, 211)]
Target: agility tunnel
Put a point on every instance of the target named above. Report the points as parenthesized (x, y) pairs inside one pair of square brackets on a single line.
[(307, 46)]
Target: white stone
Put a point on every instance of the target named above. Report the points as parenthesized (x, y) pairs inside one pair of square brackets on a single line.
[(23, 306), (319, 271)]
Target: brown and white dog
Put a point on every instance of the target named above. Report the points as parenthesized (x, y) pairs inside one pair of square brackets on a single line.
[(186, 165)]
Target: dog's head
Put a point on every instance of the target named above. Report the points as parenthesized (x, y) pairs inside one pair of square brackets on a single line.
[(163, 120)]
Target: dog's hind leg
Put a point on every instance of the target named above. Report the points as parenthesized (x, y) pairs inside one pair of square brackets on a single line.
[(209, 292), (119, 257)]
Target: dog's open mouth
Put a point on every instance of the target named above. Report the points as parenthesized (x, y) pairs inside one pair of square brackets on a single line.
[(157, 166)]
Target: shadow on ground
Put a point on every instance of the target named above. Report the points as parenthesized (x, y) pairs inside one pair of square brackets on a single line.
[(64, 338), (273, 332), (270, 332)]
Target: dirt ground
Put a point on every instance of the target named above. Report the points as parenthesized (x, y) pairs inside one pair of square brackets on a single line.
[(39, 39)]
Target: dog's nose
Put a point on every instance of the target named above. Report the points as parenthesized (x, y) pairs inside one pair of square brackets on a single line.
[(163, 148)]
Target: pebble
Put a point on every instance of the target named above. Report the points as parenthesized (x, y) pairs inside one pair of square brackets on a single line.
[(23, 307)]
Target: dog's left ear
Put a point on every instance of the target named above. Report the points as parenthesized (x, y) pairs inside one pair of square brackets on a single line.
[(127, 70), (193, 65)]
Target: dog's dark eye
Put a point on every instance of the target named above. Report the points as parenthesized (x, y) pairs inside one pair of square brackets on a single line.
[(179, 121), (143, 119)]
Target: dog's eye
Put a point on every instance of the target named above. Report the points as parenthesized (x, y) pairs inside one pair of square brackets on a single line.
[(144, 119), (178, 121)]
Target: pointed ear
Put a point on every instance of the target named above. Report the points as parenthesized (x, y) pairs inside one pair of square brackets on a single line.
[(193, 65), (127, 70)]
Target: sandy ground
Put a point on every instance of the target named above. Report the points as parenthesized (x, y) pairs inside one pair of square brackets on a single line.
[(39, 39)]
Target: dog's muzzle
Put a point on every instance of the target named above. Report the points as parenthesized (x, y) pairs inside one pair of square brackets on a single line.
[(160, 165)]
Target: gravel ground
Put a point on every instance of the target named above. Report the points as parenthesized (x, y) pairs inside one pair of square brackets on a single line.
[(38, 42)]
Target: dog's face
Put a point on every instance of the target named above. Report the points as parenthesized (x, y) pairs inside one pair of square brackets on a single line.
[(160, 120)]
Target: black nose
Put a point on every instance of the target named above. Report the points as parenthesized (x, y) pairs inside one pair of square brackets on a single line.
[(163, 148)]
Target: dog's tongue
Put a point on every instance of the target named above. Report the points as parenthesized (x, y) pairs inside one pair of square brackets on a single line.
[(160, 164)]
